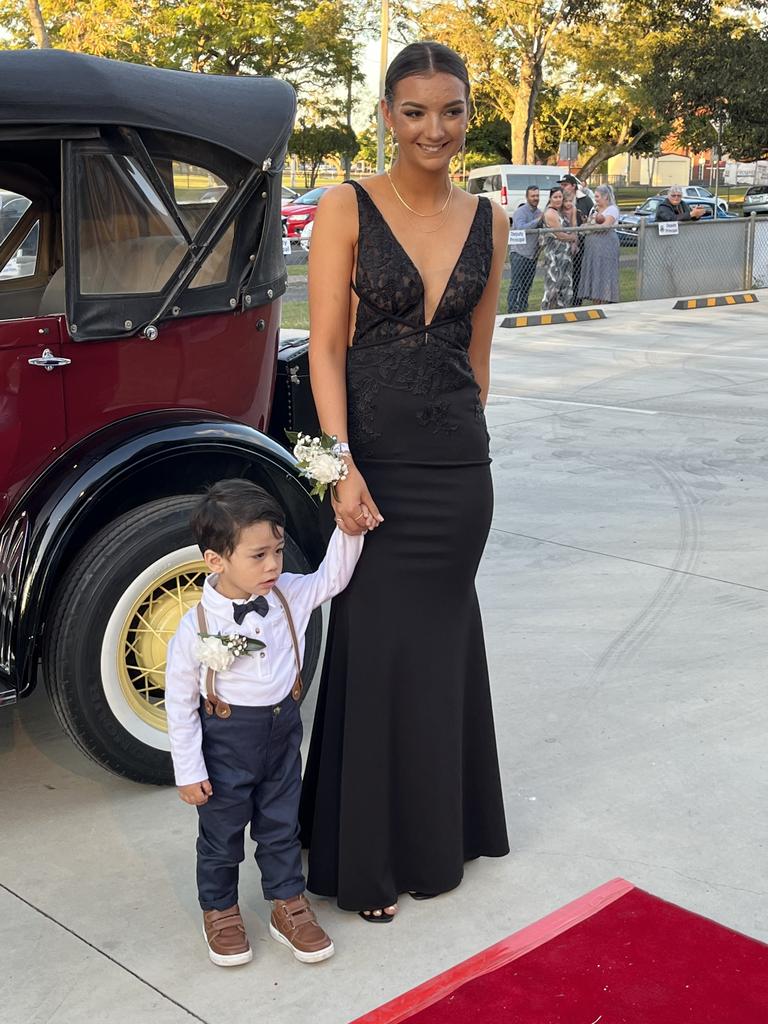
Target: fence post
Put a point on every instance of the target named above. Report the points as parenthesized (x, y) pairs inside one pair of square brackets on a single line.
[(749, 260), (640, 257)]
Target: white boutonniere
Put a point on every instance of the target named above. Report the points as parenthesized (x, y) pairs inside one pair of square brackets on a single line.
[(218, 651), (317, 460)]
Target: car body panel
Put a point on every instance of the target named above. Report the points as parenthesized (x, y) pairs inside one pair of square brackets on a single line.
[(301, 212), (123, 466)]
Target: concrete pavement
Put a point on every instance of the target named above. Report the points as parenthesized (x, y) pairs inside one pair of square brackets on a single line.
[(624, 592)]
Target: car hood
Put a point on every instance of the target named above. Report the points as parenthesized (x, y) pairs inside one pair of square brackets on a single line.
[(291, 208)]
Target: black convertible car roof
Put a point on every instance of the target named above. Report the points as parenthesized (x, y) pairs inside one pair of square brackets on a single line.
[(247, 115)]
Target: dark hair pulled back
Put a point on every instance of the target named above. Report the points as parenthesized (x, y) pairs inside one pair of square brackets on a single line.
[(426, 58)]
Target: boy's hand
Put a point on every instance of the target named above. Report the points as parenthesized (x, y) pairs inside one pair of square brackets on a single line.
[(196, 793)]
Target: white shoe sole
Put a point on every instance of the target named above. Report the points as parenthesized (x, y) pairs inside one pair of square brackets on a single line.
[(305, 958), (234, 960)]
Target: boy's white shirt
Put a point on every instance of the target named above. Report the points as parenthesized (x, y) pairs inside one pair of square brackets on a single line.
[(260, 679)]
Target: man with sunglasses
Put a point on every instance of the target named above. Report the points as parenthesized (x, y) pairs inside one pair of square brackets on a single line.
[(673, 207)]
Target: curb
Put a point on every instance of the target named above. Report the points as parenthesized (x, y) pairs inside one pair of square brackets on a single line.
[(545, 319), (708, 301)]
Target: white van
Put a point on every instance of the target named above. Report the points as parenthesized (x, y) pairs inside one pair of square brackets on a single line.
[(506, 183)]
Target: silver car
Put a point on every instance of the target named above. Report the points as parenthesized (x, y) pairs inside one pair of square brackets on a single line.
[(755, 200)]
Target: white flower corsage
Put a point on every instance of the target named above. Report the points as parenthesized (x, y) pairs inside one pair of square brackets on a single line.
[(218, 651), (317, 460)]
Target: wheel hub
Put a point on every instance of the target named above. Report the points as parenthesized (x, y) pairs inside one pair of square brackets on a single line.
[(146, 631)]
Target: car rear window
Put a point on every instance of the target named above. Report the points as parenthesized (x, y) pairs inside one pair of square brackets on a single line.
[(756, 190), (484, 183), (520, 182)]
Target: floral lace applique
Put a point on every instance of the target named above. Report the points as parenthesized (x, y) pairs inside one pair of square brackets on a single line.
[(395, 353)]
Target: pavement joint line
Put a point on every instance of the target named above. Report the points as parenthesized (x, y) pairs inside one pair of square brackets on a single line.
[(563, 401), (618, 350), (101, 952), (626, 558)]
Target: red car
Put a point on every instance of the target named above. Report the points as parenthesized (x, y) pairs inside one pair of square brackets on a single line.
[(139, 321), (301, 212)]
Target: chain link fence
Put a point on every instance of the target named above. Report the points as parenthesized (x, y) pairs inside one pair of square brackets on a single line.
[(657, 261)]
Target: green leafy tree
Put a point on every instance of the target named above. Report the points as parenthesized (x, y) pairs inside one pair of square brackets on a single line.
[(506, 44), (312, 144), (307, 42), (712, 83)]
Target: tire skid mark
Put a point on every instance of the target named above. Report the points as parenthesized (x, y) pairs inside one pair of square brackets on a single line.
[(637, 633)]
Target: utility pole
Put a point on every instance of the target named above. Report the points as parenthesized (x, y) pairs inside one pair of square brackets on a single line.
[(383, 60)]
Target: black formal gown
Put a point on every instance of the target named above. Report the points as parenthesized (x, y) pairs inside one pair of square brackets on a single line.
[(402, 780)]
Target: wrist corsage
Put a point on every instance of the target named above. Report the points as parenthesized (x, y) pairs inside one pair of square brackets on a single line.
[(318, 461), (217, 651)]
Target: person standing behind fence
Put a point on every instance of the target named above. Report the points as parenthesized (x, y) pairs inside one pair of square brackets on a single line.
[(582, 201), (522, 256), (600, 266), (558, 254), (673, 207)]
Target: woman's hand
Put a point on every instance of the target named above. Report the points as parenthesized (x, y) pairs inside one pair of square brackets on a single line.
[(354, 509)]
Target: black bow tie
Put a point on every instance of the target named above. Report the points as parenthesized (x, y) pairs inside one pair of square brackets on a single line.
[(258, 604)]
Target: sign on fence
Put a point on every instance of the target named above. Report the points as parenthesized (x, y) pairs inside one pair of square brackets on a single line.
[(669, 227), (516, 237)]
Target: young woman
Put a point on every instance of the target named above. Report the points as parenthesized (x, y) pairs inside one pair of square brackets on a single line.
[(600, 266), (558, 252), (402, 781)]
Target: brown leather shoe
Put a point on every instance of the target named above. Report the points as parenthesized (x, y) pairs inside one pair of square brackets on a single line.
[(293, 923), (224, 932)]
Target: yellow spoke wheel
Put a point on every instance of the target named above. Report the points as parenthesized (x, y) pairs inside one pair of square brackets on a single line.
[(147, 628)]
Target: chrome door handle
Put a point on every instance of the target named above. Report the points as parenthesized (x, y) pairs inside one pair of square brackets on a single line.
[(49, 361)]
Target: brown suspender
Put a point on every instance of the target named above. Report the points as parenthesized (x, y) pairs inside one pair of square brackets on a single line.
[(213, 703), (298, 685)]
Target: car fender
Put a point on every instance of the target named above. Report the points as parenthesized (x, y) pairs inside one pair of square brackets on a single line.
[(120, 467)]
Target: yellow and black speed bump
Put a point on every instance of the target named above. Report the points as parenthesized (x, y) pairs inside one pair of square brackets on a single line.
[(708, 301), (545, 319)]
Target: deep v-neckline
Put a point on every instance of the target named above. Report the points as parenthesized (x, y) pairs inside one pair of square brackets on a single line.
[(410, 260)]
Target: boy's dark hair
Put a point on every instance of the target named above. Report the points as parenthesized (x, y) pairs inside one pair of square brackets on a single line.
[(228, 507)]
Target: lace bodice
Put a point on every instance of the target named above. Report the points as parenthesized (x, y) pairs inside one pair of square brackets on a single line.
[(411, 392)]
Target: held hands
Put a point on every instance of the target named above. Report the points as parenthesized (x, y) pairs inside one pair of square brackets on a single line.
[(196, 793), (354, 509)]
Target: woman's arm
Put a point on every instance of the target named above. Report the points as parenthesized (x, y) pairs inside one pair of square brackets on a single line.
[(331, 265), (552, 220), (331, 260), (484, 316)]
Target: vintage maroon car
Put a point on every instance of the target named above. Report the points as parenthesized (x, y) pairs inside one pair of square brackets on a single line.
[(139, 321)]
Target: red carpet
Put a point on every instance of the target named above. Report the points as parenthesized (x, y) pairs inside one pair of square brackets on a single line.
[(615, 956)]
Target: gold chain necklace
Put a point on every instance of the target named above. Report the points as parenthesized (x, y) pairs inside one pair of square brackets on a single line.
[(416, 212), (443, 220)]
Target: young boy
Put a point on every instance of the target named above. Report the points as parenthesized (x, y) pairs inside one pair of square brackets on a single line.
[(236, 734)]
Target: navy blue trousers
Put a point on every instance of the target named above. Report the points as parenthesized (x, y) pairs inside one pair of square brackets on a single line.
[(521, 274), (254, 765)]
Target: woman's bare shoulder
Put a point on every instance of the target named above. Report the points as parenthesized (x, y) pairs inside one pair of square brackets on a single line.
[(338, 197)]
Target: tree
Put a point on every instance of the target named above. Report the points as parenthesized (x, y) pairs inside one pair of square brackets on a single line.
[(37, 24), (306, 42), (314, 143), (607, 92), (506, 44), (712, 85)]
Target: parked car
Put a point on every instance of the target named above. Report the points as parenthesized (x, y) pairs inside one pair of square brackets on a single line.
[(300, 212), (692, 194), (136, 367), (506, 183), (755, 200), (215, 193), (629, 222)]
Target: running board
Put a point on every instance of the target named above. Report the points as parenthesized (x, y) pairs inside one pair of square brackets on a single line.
[(7, 697)]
